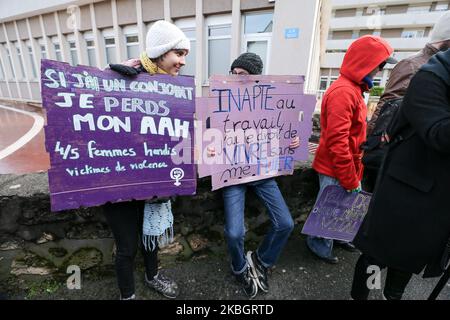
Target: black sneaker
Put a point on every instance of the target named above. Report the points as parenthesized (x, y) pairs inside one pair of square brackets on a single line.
[(132, 297), (167, 287), (248, 283), (258, 271), (347, 246)]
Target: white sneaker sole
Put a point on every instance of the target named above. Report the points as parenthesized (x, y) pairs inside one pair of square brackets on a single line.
[(253, 271)]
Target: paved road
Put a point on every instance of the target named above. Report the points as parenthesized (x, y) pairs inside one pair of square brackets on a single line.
[(22, 139), (298, 276)]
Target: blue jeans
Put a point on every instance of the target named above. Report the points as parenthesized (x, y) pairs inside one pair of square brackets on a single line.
[(279, 214), (320, 246)]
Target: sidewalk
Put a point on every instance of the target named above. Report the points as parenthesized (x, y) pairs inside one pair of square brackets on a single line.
[(22, 147), (298, 276)]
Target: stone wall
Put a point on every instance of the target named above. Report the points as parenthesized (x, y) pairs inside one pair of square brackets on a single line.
[(32, 236)]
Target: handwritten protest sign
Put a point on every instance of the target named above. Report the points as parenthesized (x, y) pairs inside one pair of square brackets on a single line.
[(257, 117), (201, 136), (337, 214), (113, 138)]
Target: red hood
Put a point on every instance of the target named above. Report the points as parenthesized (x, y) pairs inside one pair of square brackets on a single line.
[(363, 56)]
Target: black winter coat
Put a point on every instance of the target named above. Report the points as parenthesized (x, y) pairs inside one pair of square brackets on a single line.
[(408, 223)]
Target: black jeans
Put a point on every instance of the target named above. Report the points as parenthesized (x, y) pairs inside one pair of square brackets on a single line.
[(125, 220), (396, 280)]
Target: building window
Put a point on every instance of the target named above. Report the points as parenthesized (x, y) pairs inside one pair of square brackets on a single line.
[(441, 6), (418, 9), (413, 33), (375, 10), (335, 51), (58, 53), (376, 82), (187, 25), (132, 42), (73, 53), (323, 83), (43, 51), (189, 68), (110, 46), (258, 34), (32, 64), (91, 53), (2, 73), (19, 58), (333, 79), (258, 22), (11, 66), (326, 82), (219, 41)]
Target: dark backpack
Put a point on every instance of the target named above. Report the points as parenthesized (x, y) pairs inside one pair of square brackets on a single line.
[(374, 148)]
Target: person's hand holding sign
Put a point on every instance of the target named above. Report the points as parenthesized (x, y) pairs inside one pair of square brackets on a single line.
[(295, 143), (357, 189), (211, 151), (134, 63)]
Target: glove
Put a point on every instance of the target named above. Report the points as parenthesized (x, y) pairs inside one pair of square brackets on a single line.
[(124, 70), (357, 189)]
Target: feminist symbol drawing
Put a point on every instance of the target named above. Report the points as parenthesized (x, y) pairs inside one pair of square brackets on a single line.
[(177, 174)]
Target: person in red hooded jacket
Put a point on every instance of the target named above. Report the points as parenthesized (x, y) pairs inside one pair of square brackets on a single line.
[(343, 125)]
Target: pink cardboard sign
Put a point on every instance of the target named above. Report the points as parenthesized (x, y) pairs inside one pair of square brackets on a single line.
[(255, 119)]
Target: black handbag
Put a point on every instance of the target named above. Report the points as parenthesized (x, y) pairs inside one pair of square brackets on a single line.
[(444, 278)]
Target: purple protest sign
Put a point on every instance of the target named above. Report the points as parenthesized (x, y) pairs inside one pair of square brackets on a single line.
[(337, 214), (258, 117), (115, 138)]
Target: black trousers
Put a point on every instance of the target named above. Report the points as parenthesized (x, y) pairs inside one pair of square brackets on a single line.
[(125, 220), (396, 280), (369, 179)]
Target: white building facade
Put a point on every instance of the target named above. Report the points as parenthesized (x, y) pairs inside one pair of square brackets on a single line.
[(406, 25), (287, 34)]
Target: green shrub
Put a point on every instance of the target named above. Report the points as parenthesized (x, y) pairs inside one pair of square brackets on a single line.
[(376, 91)]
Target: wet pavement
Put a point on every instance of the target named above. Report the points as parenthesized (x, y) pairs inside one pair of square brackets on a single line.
[(298, 275), (22, 139)]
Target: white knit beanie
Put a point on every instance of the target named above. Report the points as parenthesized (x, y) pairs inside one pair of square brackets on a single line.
[(441, 30), (164, 36)]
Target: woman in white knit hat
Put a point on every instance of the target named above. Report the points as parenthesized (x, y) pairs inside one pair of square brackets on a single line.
[(151, 221)]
